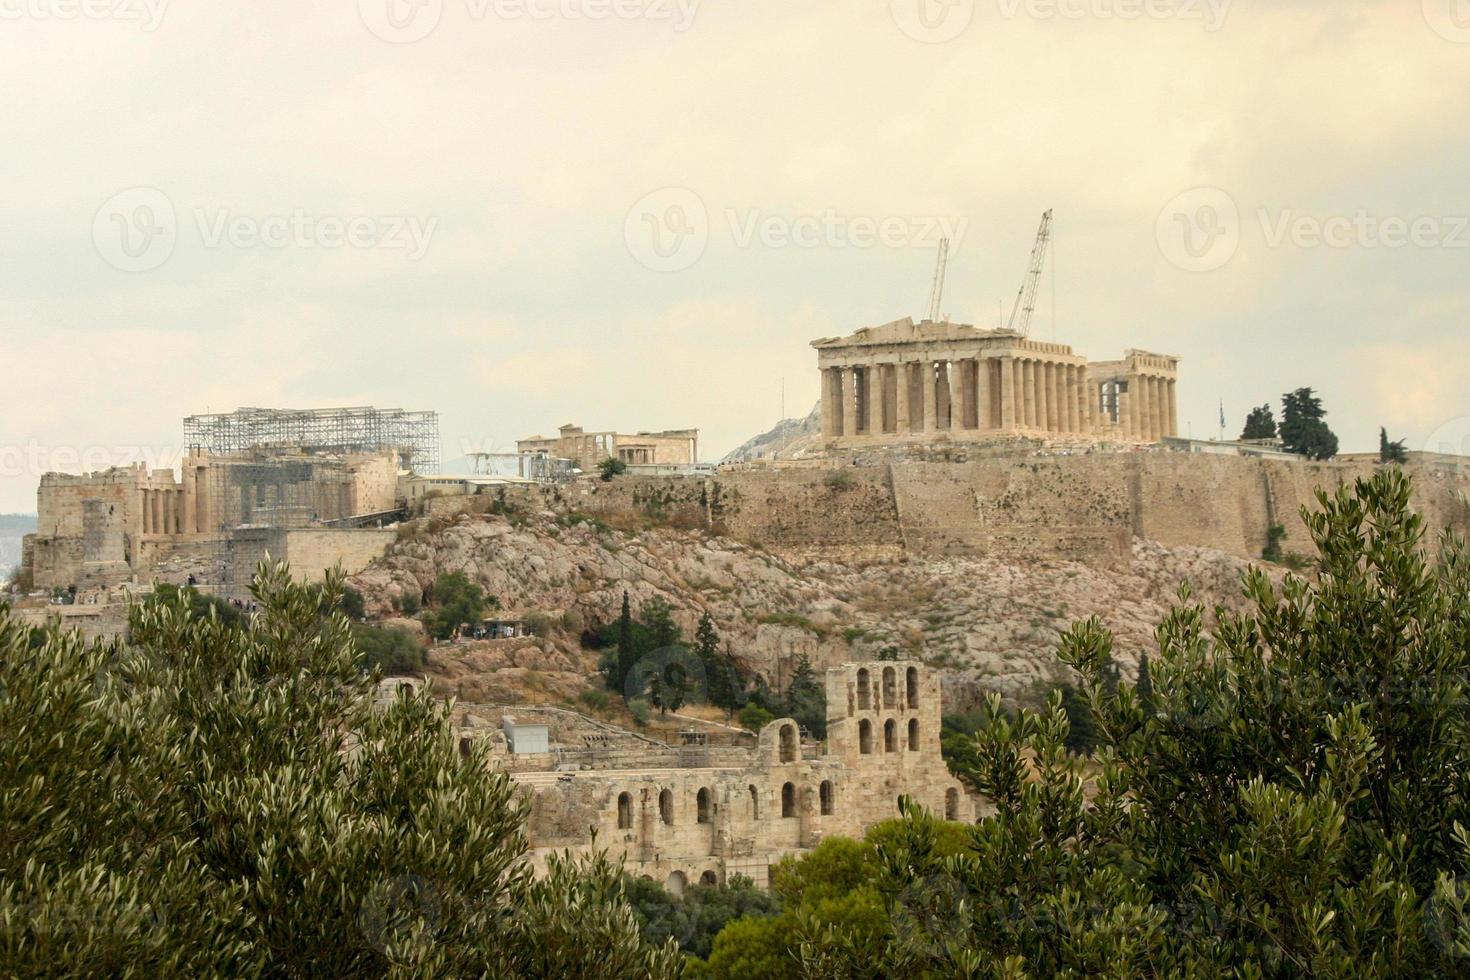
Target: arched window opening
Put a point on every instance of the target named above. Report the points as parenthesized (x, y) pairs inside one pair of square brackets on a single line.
[(913, 686), (788, 743), (865, 737), (951, 804), (755, 803), (865, 693), (890, 688), (788, 800), (625, 811), (464, 748), (676, 883), (913, 734), (703, 806), (709, 879), (825, 795), (666, 807), (890, 736)]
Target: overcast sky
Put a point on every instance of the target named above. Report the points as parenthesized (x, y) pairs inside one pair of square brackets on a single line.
[(636, 214)]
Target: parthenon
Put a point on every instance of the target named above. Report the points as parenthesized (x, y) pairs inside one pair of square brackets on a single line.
[(908, 382)]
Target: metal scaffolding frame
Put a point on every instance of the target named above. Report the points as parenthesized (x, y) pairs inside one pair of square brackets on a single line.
[(320, 430)]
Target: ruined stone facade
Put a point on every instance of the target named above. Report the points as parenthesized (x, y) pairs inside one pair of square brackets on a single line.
[(97, 530), (908, 382), (587, 450), (704, 814)]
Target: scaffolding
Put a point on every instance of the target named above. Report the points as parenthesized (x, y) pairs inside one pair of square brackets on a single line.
[(414, 435)]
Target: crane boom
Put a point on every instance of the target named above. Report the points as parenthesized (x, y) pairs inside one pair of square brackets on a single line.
[(936, 292), (1020, 321)]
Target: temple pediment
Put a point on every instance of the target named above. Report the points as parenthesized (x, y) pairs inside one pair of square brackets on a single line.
[(907, 331)]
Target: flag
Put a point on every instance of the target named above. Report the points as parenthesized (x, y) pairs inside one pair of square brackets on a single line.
[(1222, 414)]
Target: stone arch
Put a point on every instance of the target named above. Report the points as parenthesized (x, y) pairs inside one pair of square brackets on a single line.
[(890, 687), (890, 736), (755, 803), (666, 807), (913, 687), (864, 690), (824, 794), (788, 800), (865, 737), (709, 879), (913, 734), (951, 804), (625, 811), (703, 805), (676, 883), (789, 742)]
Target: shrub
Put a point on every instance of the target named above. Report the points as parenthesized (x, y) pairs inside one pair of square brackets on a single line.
[(640, 710), (183, 807), (754, 717), (840, 480), (595, 699), (395, 651), (611, 467)]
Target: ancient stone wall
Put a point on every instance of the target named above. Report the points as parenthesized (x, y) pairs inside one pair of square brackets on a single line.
[(680, 823), (1086, 507)]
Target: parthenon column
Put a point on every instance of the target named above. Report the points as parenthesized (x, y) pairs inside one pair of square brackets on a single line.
[(1125, 414), (1008, 393), (928, 377), (1069, 398), (984, 397), (849, 402), (1173, 408), (1145, 410), (831, 406), (1156, 404), (871, 416), (1028, 395), (901, 373)]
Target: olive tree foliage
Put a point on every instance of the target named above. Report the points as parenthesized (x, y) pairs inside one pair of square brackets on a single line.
[(226, 800), (1292, 803)]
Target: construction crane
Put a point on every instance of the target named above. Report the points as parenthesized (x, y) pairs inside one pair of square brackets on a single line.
[(936, 293), (1020, 321)]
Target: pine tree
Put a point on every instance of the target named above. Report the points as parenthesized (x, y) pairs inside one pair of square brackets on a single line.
[(707, 647), (1390, 452), (1082, 727), (1304, 430), (1260, 424), (627, 647)]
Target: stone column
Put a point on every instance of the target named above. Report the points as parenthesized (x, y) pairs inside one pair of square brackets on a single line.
[(1145, 409), (1172, 395), (849, 402), (872, 412), (1043, 395), (984, 396), (1028, 393), (831, 410), (969, 409), (1125, 415), (1069, 399), (1008, 393), (930, 383), (1156, 413), (901, 370)]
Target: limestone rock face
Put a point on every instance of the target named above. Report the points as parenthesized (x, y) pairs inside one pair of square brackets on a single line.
[(987, 624)]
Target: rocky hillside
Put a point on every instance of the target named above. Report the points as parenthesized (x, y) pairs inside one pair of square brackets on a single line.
[(990, 625), (789, 438)]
